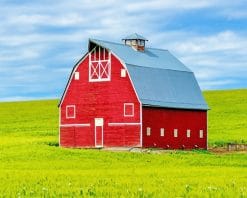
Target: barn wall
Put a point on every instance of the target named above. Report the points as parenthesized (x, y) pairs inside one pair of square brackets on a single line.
[(100, 100), (170, 119)]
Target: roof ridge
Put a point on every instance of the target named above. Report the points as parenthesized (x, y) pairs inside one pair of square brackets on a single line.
[(152, 48), (91, 39), (157, 68)]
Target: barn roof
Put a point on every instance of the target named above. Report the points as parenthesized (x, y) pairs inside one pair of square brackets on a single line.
[(159, 78), (151, 57), (135, 36)]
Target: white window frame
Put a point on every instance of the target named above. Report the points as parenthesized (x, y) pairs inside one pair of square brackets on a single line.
[(67, 107), (188, 133), (201, 133), (102, 69), (77, 75), (175, 133), (162, 132), (133, 110), (123, 73), (148, 131)]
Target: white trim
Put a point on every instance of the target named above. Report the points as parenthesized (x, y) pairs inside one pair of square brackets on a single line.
[(99, 66), (141, 124), (123, 123), (99, 121), (133, 110), (207, 128), (75, 125), (98, 124), (59, 123), (134, 91), (74, 114), (77, 75), (128, 75), (71, 77)]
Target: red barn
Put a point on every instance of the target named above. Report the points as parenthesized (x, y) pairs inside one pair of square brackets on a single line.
[(129, 95)]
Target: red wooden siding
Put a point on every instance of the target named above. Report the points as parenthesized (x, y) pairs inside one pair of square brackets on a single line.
[(100, 100), (170, 119)]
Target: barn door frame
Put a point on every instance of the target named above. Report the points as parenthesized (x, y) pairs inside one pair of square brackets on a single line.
[(99, 139)]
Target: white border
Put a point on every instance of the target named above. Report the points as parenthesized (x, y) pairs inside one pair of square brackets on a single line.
[(141, 134), (95, 136), (123, 123), (59, 123), (99, 62), (112, 53), (133, 110), (75, 125), (207, 129), (69, 106)]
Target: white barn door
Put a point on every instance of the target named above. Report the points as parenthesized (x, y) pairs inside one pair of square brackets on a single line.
[(99, 128)]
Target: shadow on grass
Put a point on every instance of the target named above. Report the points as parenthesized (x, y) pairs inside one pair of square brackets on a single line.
[(52, 143)]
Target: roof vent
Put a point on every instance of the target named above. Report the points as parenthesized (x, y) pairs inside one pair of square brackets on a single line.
[(136, 41)]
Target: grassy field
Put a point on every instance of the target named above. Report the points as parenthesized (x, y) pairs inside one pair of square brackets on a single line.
[(32, 165), (227, 119)]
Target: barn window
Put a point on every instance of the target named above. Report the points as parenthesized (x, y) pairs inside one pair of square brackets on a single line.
[(188, 133), (99, 65), (123, 73), (148, 131), (175, 132), (70, 111), (162, 132), (128, 109), (201, 133), (77, 75)]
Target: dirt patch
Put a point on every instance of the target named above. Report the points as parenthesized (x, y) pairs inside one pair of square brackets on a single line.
[(223, 150)]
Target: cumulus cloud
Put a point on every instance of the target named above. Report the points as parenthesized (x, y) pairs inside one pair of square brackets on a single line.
[(41, 40)]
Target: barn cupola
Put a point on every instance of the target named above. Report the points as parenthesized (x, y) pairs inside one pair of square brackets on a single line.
[(136, 41)]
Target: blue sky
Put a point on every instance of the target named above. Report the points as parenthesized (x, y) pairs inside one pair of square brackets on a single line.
[(41, 40)]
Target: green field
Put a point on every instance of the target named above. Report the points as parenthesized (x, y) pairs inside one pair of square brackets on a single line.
[(32, 165)]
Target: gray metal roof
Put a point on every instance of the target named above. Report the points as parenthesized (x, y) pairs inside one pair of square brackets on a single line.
[(159, 78), (135, 36), (151, 57), (166, 88)]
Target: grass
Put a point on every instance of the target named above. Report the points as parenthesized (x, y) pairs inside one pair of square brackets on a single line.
[(227, 119), (32, 164)]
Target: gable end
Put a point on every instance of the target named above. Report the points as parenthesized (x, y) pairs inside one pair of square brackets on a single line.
[(70, 78)]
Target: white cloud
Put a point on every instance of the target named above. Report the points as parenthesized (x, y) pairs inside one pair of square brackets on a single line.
[(41, 40), (43, 19)]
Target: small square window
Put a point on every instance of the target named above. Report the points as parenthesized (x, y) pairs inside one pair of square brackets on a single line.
[(123, 73), (175, 132), (188, 133), (128, 109), (162, 132), (148, 131), (70, 111), (77, 75), (201, 133)]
